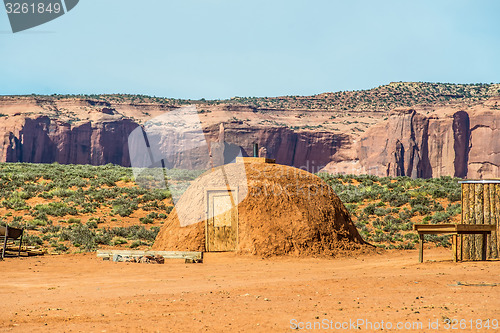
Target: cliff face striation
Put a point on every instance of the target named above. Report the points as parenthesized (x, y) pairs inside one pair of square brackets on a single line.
[(451, 130), (43, 140), (92, 132), (447, 142)]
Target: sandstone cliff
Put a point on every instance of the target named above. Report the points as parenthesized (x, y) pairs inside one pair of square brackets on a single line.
[(447, 141), (43, 140), (90, 132), (451, 130)]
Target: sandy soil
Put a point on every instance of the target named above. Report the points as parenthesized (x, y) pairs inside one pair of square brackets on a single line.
[(229, 292)]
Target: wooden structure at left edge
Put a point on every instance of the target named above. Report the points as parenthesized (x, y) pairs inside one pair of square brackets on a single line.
[(480, 206)]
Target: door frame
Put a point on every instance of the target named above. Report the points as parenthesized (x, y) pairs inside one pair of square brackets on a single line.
[(207, 211)]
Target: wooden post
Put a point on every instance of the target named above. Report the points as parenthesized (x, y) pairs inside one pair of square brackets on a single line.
[(461, 247), (5, 241), (421, 249), (497, 217), (479, 220), (465, 215), (486, 213), (493, 251), (454, 246), (468, 246)]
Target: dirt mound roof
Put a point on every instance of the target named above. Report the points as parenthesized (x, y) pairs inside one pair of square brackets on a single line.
[(280, 210)]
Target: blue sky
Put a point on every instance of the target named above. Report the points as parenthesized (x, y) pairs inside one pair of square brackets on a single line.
[(222, 48)]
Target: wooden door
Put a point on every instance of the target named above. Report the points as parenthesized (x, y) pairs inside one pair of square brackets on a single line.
[(222, 221)]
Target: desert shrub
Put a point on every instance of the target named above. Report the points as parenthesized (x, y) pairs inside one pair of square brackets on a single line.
[(133, 232), (182, 174), (380, 236), (16, 202), (436, 206), (443, 241), (51, 229), (118, 241), (369, 210), (61, 192), (39, 215), (155, 194), (32, 240), (353, 194), (135, 244), (46, 195), (33, 224), (360, 224), (153, 215), (406, 226), (395, 198), (56, 209), (146, 220), (144, 234), (454, 195), (103, 237), (381, 211), (420, 209), (406, 246), (61, 247), (80, 236), (73, 220), (351, 208), (454, 209), (377, 223), (439, 217), (439, 193), (124, 207), (89, 207), (91, 224), (420, 201)]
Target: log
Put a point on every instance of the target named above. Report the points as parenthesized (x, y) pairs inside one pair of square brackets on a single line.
[(486, 212), (478, 208), (497, 208), (465, 214), (15, 253), (468, 240), (493, 252)]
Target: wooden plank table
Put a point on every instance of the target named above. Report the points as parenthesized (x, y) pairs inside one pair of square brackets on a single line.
[(454, 230)]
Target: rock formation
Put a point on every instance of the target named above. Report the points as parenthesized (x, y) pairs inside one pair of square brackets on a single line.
[(456, 134), (44, 140), (445, 142)]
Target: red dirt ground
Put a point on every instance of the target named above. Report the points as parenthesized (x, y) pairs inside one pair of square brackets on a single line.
[(229, 292)]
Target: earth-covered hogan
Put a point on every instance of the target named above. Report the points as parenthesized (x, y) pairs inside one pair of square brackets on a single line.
[(270, 210), (73, 208)]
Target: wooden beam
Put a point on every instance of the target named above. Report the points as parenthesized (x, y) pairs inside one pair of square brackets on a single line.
[(453, 228)]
